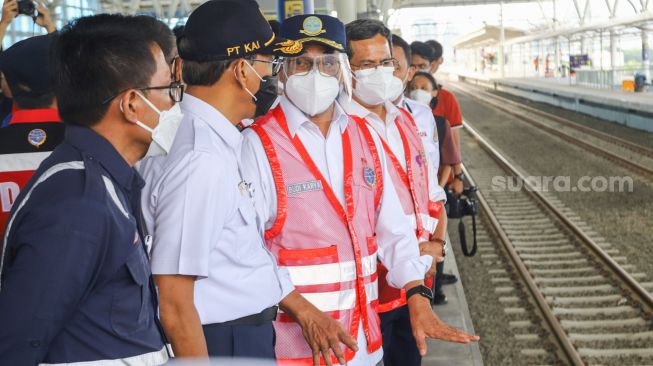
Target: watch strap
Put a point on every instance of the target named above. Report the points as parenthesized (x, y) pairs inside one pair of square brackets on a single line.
[(419, 290)]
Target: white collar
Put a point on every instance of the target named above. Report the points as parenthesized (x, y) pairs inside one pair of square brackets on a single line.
[(354, 108), (214, 118), (296, 119)]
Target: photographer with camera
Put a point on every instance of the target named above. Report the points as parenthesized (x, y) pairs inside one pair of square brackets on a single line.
[(34, 9), (10, 10)]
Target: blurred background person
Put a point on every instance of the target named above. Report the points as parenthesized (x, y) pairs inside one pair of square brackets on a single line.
[(34, 129), (424, 88)]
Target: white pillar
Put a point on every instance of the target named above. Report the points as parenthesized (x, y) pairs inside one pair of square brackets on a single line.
[(346, 10), (556, 60), (361, 6), (601, 47), (569, 58), (309, 6), (613, 57), (502, 39), (645, 55), (542, 56), (385, 8)]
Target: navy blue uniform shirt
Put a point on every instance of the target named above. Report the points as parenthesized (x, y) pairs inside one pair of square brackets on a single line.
[(75, 282)]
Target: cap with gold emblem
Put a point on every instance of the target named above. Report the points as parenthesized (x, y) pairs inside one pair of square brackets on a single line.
[(229, 29), (315, 28)]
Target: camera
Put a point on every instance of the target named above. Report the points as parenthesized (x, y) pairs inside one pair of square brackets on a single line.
[(463, 205), (26, 7), (457, 208)]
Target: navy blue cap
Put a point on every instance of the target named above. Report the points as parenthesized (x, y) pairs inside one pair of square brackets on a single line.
[(26, 63), (275, 25), (230, 29), (322, 29)]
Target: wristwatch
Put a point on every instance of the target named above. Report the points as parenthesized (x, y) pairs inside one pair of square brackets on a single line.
[(422, 290), (460, 177), (444, 246)]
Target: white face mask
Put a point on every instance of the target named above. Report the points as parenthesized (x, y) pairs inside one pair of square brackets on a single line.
[(421, 96), (164, 133), (396, 87), (312, 93), (374, 86)]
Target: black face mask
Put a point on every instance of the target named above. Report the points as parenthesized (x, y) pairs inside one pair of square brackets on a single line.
[(266, 95)]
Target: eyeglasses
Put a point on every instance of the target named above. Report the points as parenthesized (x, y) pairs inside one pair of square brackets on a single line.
[(175, 91), (367, 65), (276, 64), (327, 65)]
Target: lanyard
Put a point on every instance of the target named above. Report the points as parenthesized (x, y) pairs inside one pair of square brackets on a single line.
[(310, 164), (405, 175)]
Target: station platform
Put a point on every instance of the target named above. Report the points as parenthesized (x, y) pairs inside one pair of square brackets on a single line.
[(631, 109), (455, 313)]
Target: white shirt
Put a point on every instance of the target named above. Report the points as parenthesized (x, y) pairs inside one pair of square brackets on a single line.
[(388, 131), (398, 247), (203, 220), (428, 131)]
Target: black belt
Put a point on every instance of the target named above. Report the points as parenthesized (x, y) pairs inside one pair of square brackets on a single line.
[(263, 317)]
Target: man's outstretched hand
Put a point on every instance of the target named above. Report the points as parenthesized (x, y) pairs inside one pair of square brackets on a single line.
[(426, 324), (322, 333)]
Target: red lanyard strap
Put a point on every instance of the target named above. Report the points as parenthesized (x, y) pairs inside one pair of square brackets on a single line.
[(310, 164), (405, 175)]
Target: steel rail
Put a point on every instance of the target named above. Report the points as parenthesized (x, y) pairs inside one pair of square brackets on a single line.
[(552, 322), (639, 293), (629, 145), (627, 162)]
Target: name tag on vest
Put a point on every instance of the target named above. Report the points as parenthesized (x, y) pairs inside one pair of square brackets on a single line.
[(297, 188)]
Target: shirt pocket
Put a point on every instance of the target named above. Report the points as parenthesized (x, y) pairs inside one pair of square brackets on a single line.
[(246, 211), (247, 232), (130, 299)]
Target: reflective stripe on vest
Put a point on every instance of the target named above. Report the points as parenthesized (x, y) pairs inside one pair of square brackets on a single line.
[(76, 165), (329, 272), (328, 247), (22, 161)]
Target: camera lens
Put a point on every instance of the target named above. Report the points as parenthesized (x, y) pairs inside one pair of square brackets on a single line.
[(26, 7)]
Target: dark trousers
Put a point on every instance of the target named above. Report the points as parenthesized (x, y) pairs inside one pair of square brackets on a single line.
[(437, 284), (399, 347), (243, 341)]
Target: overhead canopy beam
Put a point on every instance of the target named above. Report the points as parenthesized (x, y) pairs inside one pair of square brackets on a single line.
[(435, 3), (631, 21), (489, 35)]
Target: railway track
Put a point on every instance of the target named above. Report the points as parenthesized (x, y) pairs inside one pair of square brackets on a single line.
[(594, 305), (627, 154)]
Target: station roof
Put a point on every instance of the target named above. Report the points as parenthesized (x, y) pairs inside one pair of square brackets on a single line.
[(489, 35), (642, 21), (182, 8), (397, 4)]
